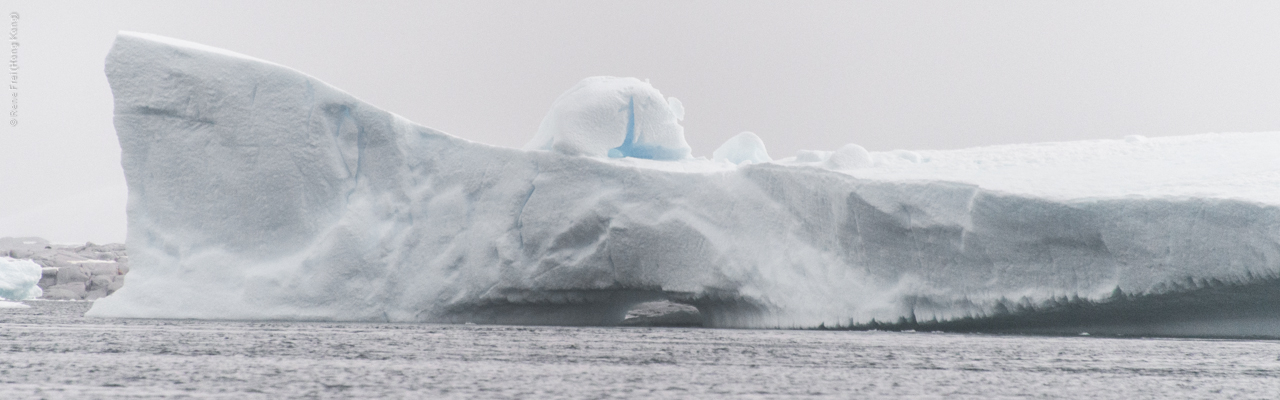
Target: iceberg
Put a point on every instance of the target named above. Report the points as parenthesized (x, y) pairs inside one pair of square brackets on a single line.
[(71, 272), (18, 279), (258, 192)]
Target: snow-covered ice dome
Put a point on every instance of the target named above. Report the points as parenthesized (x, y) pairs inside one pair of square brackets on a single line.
[(848, 157), (743, 147), (258, 192), (614, 117)]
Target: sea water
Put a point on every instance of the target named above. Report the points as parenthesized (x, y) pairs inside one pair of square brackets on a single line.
[(51, 351)]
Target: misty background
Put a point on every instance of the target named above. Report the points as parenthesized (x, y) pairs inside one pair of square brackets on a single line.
[(801, 75)]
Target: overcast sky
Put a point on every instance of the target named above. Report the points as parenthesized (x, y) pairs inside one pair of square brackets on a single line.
[(801, 74)]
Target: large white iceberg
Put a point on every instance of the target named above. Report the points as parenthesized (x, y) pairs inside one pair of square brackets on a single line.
[(258, 192)]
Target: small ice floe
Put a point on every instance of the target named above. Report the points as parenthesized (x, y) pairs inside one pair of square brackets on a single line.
[(12, 304)]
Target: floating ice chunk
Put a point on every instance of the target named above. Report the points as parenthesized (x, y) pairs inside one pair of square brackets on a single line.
[(18, 279), (743, 147), (850, 156), (12, 304), (604, 113)]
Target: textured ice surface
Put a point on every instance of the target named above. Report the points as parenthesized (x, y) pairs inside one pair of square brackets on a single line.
[(257, 192), (743, 147), (18, 279), (615, 117)]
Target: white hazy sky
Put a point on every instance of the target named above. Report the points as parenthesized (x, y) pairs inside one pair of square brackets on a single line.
[(801, 74)]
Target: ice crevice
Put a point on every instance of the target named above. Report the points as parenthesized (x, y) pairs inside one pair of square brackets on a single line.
[(318, 206), (533, 187)]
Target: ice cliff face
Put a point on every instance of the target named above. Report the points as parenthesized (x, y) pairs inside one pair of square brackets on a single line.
[(257, 192)]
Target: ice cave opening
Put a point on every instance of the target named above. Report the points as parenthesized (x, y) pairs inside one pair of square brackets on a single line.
[(663, 313)]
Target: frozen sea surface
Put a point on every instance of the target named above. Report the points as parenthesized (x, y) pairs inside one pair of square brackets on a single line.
[(51, 351)]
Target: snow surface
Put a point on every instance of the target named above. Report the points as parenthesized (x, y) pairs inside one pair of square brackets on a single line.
[(1242, 166), (847, 157), (258, 192), (18, 279), (743, 147), (614, 117)]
